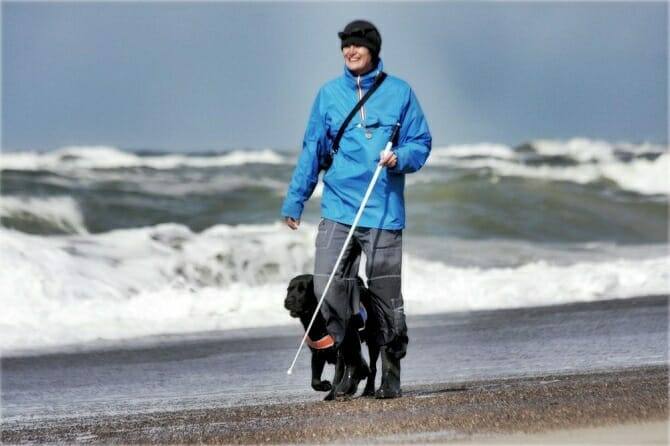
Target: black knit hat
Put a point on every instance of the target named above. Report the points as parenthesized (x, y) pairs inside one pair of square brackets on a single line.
[(362, 33)]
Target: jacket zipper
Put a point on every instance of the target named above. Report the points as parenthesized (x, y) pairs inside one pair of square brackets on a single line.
[(360, 96)]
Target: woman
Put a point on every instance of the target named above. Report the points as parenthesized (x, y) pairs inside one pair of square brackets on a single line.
[(379, 233)]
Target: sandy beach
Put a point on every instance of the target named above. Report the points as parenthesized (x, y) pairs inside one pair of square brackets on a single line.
[(468, 411), (490, 376)]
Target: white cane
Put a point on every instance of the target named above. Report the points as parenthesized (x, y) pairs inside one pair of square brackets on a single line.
[(371, 186)]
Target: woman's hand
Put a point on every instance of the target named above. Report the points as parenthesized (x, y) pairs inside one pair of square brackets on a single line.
[(292, 223), (387, 159)]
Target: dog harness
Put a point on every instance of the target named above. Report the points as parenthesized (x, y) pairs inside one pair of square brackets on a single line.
[(327, 340)]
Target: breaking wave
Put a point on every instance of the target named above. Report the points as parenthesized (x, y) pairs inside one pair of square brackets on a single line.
[(167, 279), (104, 157), (49, 215), (639, 168)]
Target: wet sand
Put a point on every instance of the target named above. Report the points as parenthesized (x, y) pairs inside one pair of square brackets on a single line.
[(467, 376), (437, 413)]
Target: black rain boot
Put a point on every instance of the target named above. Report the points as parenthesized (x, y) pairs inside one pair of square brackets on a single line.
[(390, 387)]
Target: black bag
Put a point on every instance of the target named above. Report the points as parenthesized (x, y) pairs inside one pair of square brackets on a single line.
[(325, 165)]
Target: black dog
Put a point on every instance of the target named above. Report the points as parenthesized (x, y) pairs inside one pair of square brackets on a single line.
[(301, 303)]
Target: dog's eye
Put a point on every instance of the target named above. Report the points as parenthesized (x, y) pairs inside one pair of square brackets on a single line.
[(301, 287)]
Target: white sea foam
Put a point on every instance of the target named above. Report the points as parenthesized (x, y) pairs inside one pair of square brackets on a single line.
[(61, 212), (166, 279), (595, 161), (162, 279), (533, 284), (588, 150), (643, 176), (104, 157)]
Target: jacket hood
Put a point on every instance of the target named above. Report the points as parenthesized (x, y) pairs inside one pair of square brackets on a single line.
[(366, 80)]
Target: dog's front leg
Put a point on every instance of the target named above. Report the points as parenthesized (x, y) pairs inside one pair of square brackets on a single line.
[(339, 373), (318, 362), (373, 350)]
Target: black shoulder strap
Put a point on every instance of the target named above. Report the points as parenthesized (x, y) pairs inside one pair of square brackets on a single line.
[(378, 81)]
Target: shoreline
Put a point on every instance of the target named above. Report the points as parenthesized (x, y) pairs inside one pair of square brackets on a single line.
[(292, 328), (463, 411)]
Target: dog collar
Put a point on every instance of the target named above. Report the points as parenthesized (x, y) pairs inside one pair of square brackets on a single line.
[(323, 343)]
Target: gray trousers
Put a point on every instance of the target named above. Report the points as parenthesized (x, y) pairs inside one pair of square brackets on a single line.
[(383, 253)]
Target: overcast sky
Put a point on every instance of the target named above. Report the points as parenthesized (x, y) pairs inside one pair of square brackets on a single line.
[(213, 76)]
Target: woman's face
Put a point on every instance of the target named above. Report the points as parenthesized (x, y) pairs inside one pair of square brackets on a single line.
[(358, 59)]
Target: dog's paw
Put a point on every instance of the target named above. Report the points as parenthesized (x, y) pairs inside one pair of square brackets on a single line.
[(321, 386), (369, 392), (330, 396)]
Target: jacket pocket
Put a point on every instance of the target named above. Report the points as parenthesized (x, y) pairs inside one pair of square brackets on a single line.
[(324, 234), (382, 124)]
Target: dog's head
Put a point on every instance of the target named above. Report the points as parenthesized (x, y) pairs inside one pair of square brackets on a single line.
[(300, 298)]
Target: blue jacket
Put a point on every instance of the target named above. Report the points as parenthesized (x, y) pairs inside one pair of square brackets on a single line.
[(347, 179)]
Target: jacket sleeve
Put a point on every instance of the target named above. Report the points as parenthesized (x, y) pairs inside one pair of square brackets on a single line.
[(306, 174), (414, 139)]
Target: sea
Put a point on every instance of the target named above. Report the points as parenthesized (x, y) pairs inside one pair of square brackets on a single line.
[(103, 245)]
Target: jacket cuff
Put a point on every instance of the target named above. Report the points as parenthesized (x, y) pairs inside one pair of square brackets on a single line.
[(292, 209), (401, 161)]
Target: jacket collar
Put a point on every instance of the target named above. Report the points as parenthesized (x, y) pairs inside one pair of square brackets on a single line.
[(366, 80)]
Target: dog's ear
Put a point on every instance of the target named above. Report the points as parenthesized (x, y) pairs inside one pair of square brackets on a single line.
[(303, 284), (300, 278), (296, 282), (310, 285)]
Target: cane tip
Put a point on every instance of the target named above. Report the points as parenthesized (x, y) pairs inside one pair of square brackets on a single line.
[(289, 372)]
